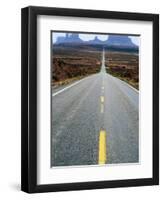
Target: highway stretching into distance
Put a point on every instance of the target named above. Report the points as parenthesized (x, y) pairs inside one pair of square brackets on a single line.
[(95, 121)]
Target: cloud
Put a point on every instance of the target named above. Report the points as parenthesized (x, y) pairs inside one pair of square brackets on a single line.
[(135, 39), (87, 37)]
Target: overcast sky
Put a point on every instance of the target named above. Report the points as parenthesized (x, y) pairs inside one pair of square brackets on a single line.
[(87, 37)]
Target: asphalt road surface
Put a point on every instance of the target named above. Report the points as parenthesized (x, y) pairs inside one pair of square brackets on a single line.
[(95, 121)]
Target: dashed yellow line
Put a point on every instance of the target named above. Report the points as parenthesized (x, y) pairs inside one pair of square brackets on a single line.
[(102, 108), (102, 99), (102, 147)]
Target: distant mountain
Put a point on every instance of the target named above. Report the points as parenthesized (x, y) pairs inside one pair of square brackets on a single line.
[(113, 42), (120, 40), (95, 41), (69, 38)]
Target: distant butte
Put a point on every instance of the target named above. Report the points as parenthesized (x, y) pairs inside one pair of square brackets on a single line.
[(113, 40), (120, 40), (69, 38)]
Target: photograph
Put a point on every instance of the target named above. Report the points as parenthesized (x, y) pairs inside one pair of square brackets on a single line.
[(94, 99)]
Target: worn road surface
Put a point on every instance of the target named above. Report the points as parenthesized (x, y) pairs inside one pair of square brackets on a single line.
[(95, 121)]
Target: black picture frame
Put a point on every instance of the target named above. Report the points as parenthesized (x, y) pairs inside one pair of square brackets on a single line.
[(29, 98)]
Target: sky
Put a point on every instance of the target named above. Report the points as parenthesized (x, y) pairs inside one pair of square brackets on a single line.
[(87, 37)]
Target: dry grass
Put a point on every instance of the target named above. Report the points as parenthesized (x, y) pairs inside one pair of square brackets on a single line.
[(72, 64), (125, 66)]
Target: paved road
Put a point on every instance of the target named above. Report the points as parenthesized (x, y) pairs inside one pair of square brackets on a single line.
[(95, 121)]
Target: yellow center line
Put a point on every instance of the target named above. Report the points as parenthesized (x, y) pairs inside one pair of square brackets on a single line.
[(102, 99), (102, 108), (102, 147), (102, 87)]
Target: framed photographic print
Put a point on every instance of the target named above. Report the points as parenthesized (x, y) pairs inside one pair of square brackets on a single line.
[(90, 99)]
